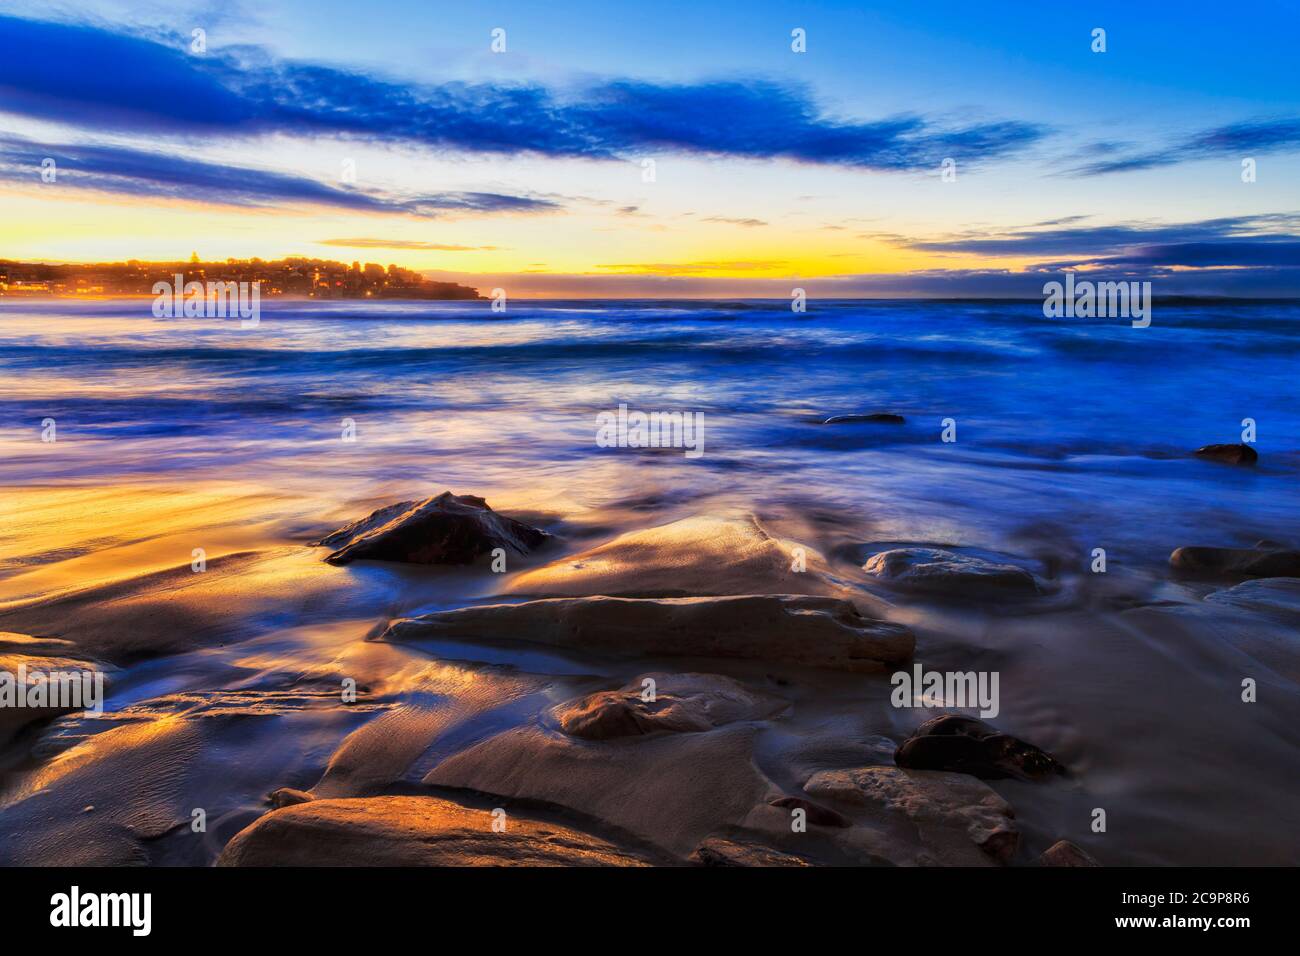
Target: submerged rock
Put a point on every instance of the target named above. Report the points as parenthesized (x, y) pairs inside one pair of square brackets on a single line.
[(448, 529), (792, 629), (946, 572), (939, 805), (1065, 853), (816, 814), (681, 703), (1271, 595), (719, 851), (961, 744), (44, 691), (883, 418), (288, 797), (702, 555), (1229, 454), (410, 831), (1249, 562)]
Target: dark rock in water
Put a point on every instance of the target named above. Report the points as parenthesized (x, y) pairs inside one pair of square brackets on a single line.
[(963, 744), (448, 529), (288, 797), (717, 851), (1229, 454), (1249, 562), (1065, 853), (882, 418), (816, 813), (945, 572)]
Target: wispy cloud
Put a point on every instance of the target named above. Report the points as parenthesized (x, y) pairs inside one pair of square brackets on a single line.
[(89, 77), (750, 223), (1240, 140), (133, 172)]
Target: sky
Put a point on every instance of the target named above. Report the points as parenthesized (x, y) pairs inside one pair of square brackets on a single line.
[(670, 149)]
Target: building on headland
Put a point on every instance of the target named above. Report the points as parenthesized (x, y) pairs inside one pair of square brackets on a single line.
[(289, 278)]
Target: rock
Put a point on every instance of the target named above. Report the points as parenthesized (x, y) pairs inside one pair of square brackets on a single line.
[(703, 555), (15, 712), (940, 806), (816, 814), (288, 797), (1270, 595), (883, 418), (669, 790), (961, 744), (793, 629), (718, 851), (448, 529), (1249, 562), (945, 572), (410, 831), (1228, 454), (1065, 853), (683, 703)]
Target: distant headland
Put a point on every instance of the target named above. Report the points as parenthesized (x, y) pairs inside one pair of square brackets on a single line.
[(289, 278)]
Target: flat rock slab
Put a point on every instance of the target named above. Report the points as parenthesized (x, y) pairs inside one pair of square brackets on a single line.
[(1228, 454), (669, 790), (15, 712), (936, 571), (719, 851), (956, 819), (963, 744), (410, 831), (703, 555), (447, 529), (1248, 562), (671, 703), (793, 629)]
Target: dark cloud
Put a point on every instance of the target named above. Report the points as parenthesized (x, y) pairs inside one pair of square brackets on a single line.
[(133, 172), (88, 77), (1261, 236), (1241, 140)]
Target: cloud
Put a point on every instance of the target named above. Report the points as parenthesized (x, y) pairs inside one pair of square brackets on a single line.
[(750, 223), (133, 172), (1240, 140), (1251, 239), (403, 244), (89, 77)]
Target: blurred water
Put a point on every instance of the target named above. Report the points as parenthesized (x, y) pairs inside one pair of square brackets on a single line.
[(1081, 424)]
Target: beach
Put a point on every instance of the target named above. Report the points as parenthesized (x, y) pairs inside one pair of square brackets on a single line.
[(168, 537)]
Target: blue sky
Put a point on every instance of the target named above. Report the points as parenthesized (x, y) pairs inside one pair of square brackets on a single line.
[(526, 167)]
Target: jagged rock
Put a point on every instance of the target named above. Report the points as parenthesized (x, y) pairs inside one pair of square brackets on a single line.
[(288, 797), (1229, 454), (945, 572), (793, 629), (1249, 562), (718, 851), (941, 806), (448, 529), (1065, 853), (682, 703), (961, 744), (883, 418), (410, 831)]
